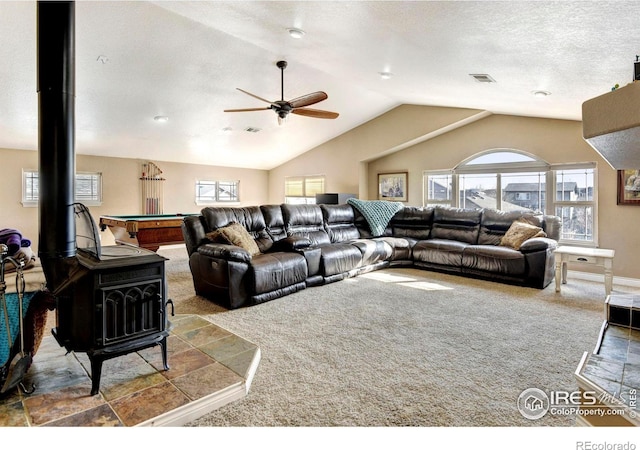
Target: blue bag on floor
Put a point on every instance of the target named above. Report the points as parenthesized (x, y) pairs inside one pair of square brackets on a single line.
[(14, 323)]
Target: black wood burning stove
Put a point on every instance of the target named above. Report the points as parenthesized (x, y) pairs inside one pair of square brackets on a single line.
[(109, 301), (113, 301)]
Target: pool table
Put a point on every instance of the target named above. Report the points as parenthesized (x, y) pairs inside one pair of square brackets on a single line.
[(148, 231)]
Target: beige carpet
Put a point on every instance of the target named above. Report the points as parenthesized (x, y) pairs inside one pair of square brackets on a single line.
[(402, 347)]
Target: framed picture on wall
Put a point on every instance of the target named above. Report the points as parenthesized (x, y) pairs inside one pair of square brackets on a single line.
[(629, 187), (393, 186)]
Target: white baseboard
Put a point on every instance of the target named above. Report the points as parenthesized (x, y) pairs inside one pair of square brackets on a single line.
[(599, 278)]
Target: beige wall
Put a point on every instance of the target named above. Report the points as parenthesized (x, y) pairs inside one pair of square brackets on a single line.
[(341, 158), (121, 187), (554, 141), (352, 161)]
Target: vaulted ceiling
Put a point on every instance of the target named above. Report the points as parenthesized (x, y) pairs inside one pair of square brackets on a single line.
[(184, 60)]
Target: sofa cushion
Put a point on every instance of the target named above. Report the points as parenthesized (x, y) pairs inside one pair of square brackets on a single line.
[(496, 223), (339, 259), (250, 217), (372, 250), (493, 259), (235, 234), (413, 222), (456, 224), (339, 222), (440, 252), (520, 231), (274, 222), (400, 247), (277, 270), (305, 221)]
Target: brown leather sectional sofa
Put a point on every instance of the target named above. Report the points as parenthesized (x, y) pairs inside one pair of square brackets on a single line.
[(310, 245)]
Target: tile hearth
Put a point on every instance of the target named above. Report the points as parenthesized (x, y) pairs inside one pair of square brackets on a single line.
[(209, 367)]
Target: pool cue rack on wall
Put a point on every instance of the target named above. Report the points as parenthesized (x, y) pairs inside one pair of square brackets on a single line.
[(152, 189)]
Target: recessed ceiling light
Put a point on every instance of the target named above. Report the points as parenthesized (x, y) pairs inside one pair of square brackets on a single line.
[(252, 129), (295, 33), (161, 118), (385, 75), (541, 93), (227, 130)]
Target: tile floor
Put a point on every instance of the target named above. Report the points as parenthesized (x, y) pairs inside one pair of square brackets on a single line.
[(209, 367)]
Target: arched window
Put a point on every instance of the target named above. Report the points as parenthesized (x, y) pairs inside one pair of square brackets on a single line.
[(510, 180)]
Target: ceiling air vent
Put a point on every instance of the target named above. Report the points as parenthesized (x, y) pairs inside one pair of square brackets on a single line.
[(482, 78), (252, 129)]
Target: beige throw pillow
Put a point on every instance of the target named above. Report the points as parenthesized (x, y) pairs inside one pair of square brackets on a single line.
[(520, 231), (235, 234)]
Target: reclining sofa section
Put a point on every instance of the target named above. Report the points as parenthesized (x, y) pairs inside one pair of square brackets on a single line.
[(309, 245)]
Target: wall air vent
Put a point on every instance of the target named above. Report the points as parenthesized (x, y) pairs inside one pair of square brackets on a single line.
[(482, 78), (252, 129)]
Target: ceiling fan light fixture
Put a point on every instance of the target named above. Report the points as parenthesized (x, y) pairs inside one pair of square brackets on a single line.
[(296, 33), (541, 94)]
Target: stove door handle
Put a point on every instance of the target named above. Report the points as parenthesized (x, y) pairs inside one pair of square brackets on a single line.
[(170, 302)]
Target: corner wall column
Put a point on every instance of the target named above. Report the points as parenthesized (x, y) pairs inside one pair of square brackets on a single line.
[(363, 180)]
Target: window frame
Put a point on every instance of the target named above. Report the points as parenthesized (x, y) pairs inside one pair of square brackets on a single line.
[(217, 199), (304, 198), (33, 201), (451, 201), (554, 204)]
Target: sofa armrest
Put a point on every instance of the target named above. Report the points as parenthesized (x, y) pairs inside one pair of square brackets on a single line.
[(291, 244), (193, 231), (225, 251), (538, 244)]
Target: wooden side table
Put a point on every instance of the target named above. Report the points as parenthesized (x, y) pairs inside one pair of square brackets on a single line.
[(595, 256)]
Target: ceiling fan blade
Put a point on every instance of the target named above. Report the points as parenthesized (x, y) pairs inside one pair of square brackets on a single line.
[(317, 113), (247, 109), (309, 99), (255, 96)]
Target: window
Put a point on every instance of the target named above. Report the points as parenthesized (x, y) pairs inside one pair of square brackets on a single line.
[(88, 188), (575, 202), (208, 192), (478, 190), (439, 188), (30, 187), (300, 190), (510, 180)]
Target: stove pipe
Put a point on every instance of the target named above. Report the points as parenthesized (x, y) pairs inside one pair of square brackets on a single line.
[(56, 139)]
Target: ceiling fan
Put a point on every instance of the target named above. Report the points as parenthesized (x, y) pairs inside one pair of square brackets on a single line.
[(296, 106)]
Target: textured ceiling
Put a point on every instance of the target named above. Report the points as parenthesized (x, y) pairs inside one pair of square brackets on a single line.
[(185, 60)]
